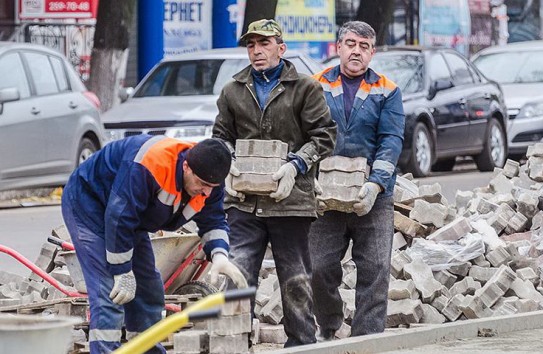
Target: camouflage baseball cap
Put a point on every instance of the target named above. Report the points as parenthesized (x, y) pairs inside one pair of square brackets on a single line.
[(267, 28)]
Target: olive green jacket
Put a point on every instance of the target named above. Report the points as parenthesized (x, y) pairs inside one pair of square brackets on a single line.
[(295, 113)]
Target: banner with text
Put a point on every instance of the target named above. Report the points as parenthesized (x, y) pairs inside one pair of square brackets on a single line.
[(57, 9), (187, 26), (308, 25)]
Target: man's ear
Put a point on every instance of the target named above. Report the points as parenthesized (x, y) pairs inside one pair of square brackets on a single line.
[(186, 167)]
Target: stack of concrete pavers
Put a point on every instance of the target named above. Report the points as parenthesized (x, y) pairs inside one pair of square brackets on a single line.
[(341, 178), (228, 334), (257, 161)]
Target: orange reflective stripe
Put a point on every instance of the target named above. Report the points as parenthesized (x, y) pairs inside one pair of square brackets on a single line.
[(161, 160)]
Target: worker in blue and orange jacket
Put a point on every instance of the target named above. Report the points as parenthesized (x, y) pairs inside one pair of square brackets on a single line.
[(131, 187)]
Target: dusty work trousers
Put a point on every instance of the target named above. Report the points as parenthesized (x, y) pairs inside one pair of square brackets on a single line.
[(372, 246), (249, 239), (106, 317)]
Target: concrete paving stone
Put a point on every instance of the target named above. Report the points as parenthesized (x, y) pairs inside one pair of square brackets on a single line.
[(527, 305), (429, 213), (348, 296), (527, 204), (262, 148), (9, 302), (498, 256), (528, 274), (462, 198), (537, 220), (501, 184), (339, 198), (237, 307), (504, 309), (408, 226), (461, 269), (402, 289), (452, 310), (398, 241), (192, 341), (431, 315), (535, 166), (403, 312), (398, 261), (503, 198), (496, 286), (422, 276), (466, 286), (409, 186), (473, 307), (272, 333), (254, 183), (480, 261), (511, 168), (486, 206), (343, 163), (525, 289), (349, 279), (341, 178), (440, 302), (255, 331), (452, 231), (344, 331), (234, 344), (519, 236), (272, 312), (7, 277), (230, 325), (516, 224), (445, 277), (482, 274), (258, 165)]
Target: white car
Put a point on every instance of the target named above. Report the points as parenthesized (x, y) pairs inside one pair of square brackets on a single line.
[(178, 97), (518, 68)]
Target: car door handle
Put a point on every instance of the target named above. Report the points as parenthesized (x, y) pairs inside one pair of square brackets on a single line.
[(34, 110), (462, 101), (487, 96), (72, 105)]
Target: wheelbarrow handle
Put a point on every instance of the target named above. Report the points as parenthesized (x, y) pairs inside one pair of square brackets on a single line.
[(236, 294), (64, 244)]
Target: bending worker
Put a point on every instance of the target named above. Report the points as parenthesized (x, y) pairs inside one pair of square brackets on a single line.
[(129, 188)]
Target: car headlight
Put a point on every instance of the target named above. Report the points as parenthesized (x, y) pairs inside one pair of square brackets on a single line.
[(112, 135), (190, 133), (530, 110)]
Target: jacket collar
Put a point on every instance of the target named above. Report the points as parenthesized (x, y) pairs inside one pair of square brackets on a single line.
[(288, 73), (370, 76)]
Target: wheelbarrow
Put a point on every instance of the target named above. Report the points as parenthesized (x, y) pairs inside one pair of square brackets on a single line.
[(180, 260), (169, 251)]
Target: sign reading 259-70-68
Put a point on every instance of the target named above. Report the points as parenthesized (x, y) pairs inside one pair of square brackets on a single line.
[(57, 9)]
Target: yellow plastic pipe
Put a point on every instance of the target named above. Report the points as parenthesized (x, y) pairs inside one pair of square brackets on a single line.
[(147, 339)]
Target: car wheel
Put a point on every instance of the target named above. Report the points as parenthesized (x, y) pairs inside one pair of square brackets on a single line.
[(444, 165), (420, 162), (86, 149), (493, 154)]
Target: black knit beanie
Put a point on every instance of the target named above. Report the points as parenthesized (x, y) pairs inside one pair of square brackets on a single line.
[(210, 160)]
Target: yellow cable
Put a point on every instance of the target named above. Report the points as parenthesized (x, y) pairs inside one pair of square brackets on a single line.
[(159, 331)]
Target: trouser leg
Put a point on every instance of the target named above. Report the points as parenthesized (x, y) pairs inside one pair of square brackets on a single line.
[(290, 247), (146, 308), (248, 243), (328, 243), (372, 246), (106, 317)]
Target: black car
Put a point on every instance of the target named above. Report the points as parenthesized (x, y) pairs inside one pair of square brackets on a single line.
[(450, 109)]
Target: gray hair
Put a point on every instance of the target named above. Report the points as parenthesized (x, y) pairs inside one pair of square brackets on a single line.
[(359, 28)]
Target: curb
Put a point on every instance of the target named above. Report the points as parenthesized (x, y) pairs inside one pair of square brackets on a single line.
[(419, 336)]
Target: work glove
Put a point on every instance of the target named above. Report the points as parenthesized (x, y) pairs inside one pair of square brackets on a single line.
[(234, 172), (221, 265), (321, 206), (367, 196), (124, 288), (285, 175)]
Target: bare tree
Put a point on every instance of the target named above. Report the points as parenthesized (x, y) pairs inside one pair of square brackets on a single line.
[(378, 14), (110, 49)]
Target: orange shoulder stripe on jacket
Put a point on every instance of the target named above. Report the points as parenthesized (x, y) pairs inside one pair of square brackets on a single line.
[(161, 159)]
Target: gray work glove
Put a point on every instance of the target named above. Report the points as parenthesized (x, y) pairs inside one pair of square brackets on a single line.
[(221, 265), (367, 196), (234, 172), (124, 289), (286, 176), (321, 206)]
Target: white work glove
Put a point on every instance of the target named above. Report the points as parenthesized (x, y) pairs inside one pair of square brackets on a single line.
[(286, 176), (234, 172), (124, 289), (221, 265), (367, 195)]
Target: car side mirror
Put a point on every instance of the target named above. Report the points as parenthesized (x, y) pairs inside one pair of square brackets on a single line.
[(439, 85), (125, 93), (8, 95)]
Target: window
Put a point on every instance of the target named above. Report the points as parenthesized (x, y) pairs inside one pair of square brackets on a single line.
[(13, 74), (42, 73), (459, 69), (438, 69), (60, 74)]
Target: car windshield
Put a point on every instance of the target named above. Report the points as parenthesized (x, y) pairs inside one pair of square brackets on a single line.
[(404, 69), (512, 67), (191, 77)]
